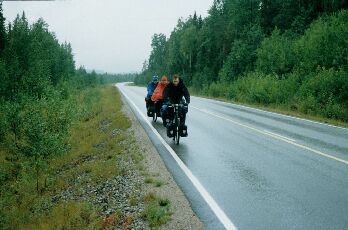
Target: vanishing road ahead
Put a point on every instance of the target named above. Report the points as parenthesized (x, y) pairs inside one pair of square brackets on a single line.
[(264, 170)]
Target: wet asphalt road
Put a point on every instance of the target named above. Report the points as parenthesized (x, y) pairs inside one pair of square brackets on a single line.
[(265, 171)]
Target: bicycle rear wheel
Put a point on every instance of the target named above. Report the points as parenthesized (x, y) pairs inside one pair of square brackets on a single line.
[(154, 116)]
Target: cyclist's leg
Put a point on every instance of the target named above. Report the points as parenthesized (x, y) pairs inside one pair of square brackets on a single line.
[(150, 108), (183, 116), (159, 104), (164, 114), (183, 127), (147, 102)]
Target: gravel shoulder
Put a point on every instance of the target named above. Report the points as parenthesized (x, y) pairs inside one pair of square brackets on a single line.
[(182, 216)]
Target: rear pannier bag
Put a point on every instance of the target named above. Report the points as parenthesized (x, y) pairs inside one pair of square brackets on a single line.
[(183, 131), (170, 130)]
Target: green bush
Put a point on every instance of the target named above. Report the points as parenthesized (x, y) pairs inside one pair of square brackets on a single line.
[(259, 88), (324, 44), (326, 94), (275, 54), (215, 89)]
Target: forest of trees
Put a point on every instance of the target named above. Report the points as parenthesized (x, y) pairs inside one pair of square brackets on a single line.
[(38, 78), (288, 53), (40, 100)]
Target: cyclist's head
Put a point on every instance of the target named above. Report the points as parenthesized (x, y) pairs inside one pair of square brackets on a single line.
[(164, 79), (176, 79), (155, 78)]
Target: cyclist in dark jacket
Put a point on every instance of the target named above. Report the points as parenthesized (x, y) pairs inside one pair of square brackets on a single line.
[(173, 94)]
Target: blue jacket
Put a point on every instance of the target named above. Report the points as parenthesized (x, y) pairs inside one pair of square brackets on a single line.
[(150, 88)]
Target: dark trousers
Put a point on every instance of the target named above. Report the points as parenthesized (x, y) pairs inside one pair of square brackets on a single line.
[(148, 102)]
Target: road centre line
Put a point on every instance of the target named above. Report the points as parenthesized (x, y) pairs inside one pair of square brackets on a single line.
[(276, 136), (220, 214)]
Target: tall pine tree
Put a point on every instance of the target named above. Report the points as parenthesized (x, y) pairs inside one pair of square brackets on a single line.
[(2, 30)]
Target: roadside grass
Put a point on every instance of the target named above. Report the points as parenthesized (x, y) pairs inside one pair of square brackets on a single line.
[(137, 157), (157, 210), (95, 148), (132, 199), (97, 143), (70, 215), (156, 183)]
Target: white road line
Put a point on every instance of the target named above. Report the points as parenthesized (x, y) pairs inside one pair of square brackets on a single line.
[(220, 214), (276, 136)]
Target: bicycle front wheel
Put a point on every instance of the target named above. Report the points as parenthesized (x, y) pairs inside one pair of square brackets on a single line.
[(177, 136)]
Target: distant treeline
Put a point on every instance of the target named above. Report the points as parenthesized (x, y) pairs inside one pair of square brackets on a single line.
[(286, 53), (114, 78)]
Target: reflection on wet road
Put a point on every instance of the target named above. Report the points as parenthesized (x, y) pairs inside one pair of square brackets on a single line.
[(265, 170)]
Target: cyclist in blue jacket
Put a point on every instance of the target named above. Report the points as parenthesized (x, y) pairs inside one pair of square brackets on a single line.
[(151, 86)]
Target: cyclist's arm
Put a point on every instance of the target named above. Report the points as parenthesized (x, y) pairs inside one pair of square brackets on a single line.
[(186, 95)]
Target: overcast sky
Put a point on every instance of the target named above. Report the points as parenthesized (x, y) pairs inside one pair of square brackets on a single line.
[(109, 35)]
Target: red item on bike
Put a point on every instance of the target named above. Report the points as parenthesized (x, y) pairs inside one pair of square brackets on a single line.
[(158, 93)]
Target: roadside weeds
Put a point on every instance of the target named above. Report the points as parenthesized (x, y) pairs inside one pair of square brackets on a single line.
[(112, 177)]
